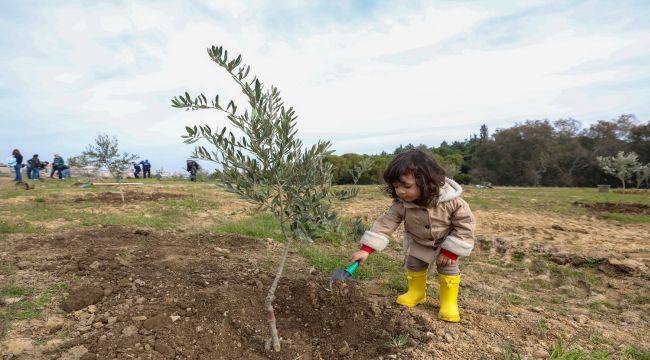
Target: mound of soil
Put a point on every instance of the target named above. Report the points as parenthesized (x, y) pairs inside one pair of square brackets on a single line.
[(629, 208), (165, 295), (116, 197)]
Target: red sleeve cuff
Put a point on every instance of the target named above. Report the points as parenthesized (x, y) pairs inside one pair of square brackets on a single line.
[(449, 254), (367, 249)]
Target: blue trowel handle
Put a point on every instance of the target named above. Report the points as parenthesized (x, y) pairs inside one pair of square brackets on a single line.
[(352, 268)]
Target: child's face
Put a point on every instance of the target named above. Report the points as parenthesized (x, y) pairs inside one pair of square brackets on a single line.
[(407, 189)]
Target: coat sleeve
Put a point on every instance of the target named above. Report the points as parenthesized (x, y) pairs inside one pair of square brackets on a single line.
[(460, 240), (384, 226)]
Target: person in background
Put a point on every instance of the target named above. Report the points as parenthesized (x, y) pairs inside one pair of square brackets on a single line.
[(57, 163), (136, 170), (28, 169), (193, 167), (146, 169), (34, 166), (43, 167), (64, 172), (18, 166)]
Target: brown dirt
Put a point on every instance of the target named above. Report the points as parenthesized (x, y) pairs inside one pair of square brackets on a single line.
[(592, 293), (199, 296), (116, 197), (625, 208)]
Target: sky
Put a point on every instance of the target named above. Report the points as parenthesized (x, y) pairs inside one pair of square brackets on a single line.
[(366, 75)]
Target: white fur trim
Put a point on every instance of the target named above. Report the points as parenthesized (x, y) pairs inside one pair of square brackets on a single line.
[(457, 246), (374, 240), (449, 191)]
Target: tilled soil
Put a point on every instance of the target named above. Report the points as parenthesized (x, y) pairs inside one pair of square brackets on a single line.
[(165, 295), (624, 208), (116, 197)]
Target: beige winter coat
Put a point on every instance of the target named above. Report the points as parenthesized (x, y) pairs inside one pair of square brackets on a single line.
[(447, 222)]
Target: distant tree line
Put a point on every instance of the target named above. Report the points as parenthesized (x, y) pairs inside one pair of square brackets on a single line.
[(532, 153)]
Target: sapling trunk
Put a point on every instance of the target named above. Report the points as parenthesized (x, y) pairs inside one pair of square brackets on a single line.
[(270, 296)]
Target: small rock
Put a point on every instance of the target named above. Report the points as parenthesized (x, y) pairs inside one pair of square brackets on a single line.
[(12, 300), (108, 290), (22, 265), (449, 338), (81, 297), (581, 319), (95, 265), (156, 322), (313, 271), (140, 300), (139, 318), (174, 318), (92, 309), (345, 349), (483, 242), (74, 353), (54, 324), (52, 345), (88, 356), (164, 349), (139, 282), (129, 330), (541, 354), (111, 320), (557, 227), (221, 250), (83, 329), (98, 325), (627, 266)]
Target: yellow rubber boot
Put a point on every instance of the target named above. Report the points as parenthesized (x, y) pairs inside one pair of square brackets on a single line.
[(449, 297), (417, 292)]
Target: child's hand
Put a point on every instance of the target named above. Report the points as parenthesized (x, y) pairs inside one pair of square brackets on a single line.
[(360, 255), (443, 260)]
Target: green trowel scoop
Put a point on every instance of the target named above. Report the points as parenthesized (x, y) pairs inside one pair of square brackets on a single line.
[(344, 274)]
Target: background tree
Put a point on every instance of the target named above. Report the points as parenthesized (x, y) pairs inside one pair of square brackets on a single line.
[(265, 162), (623, 166), (642, 175), (104, 153)]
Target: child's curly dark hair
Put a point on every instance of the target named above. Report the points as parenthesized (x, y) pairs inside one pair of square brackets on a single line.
[(429, 176)]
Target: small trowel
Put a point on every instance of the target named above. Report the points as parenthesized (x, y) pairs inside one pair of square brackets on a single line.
[(343, 274)]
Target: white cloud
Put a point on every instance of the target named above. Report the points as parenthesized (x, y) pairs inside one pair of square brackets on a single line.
[(426, 68)]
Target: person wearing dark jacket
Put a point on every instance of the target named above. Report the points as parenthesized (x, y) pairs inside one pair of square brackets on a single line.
[(193, 168), (34, 165), (18, 167), (57, 165), (136, 170), (146, 169)]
